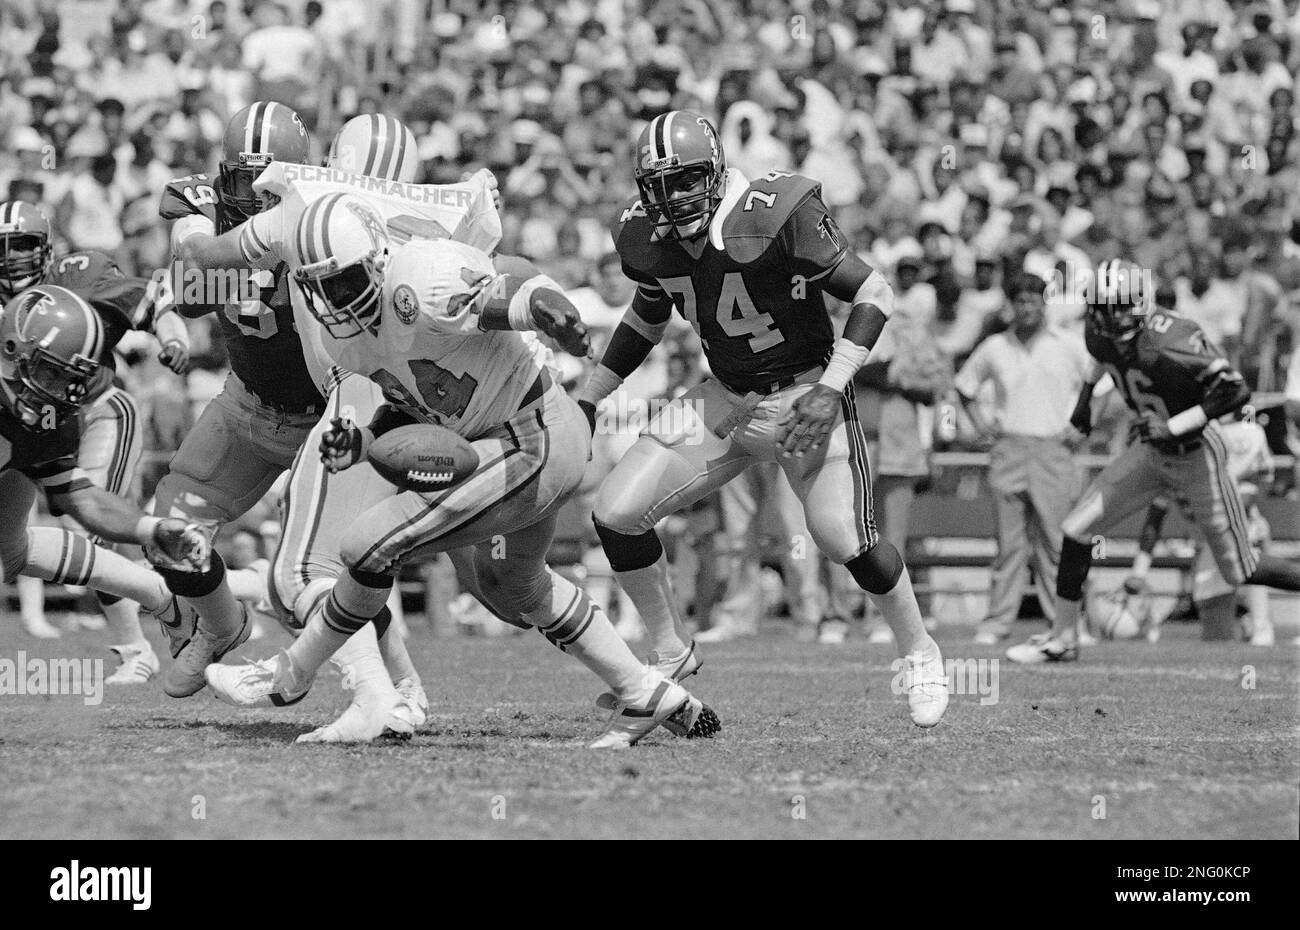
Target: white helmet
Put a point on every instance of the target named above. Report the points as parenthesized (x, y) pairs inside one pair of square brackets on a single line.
[(341, 246), (376, 146)]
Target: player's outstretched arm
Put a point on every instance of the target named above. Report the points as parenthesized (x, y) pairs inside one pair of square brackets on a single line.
[(115, 519), (640, 330), (522, 298), (203, 250), (805, 427)]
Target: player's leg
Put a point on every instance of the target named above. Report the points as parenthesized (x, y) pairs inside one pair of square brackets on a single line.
[(834, 484), (111, 445), (1128, 484), (227, 462), (676, 462)]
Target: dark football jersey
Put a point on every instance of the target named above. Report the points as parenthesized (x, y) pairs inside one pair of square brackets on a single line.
[(1160, 370), (265, 352), (47, 457), (121, 301), (756, 302)]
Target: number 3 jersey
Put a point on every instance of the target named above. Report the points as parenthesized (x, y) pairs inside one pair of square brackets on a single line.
[(1168, 367), (264, 349), (429, 355), (754, 293)]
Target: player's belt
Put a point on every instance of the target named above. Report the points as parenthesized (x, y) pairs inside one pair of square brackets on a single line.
[(780, 384), (1177, 446), (289, 409)]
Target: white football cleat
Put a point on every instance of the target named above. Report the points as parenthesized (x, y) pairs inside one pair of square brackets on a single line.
[(375, 711), (927, 687), (415, 703), (41, 628), (178, 620), (139, 664), (186, 674), (270, 682), (677, 667), (1043, 647), (663, 702)]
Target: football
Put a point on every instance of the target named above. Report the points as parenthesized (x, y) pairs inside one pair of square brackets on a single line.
[(423, 457)]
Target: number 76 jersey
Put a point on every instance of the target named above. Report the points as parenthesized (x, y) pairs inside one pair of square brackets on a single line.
[(753, 292)]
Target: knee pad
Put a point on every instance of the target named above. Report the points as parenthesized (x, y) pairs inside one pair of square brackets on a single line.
[(1076, 559), (615, 513), (878, 569), (195, 584), (629, 553)]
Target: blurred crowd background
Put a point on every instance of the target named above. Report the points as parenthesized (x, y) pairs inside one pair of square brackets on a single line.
[(958, 142)]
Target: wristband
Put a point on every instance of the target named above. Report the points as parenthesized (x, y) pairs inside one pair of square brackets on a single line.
[(601, 384), (520, 314), (145, 528), (844, 364), (1183, 423)]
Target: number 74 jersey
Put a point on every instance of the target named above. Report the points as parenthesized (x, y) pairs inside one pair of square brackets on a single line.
[(429, 355), (753, 292)]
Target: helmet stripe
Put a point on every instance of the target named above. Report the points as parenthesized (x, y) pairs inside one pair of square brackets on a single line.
[(326, 212), (403, 137), (250, 125), (8, 214), (308, 223), (368, 166), (391, 147), (668, 134), (657, 138), (384, 165), (267, 122)]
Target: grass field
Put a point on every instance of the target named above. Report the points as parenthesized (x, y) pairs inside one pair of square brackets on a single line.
[(1164, 741)]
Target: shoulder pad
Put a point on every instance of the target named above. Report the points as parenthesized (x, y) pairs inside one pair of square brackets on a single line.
[(632, 232), (188, 196), (763, 210)]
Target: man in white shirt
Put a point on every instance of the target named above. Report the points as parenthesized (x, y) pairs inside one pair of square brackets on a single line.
[(1036, 372)]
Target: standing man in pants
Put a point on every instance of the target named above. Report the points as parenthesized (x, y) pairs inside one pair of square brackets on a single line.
[(1036, 372)]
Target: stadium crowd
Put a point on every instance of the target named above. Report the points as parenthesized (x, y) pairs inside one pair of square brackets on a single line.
[(958, 141)]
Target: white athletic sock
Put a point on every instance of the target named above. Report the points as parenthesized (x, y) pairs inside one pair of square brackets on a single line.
[(396, 659), (903, 614), (652, 593), (360, 661), (570, 620), (31, 599), (123, 622), (58, 555), (350, 606)]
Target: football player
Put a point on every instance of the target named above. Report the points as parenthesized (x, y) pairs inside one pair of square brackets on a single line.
[(438, 328), (110, 439), (746, 262), (1178, 385), (50, 345), (249, 434)]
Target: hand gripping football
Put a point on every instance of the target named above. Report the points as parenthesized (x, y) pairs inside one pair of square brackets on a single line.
[(423, 457)]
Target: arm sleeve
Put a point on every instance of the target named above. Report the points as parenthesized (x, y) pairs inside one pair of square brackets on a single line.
[(263, 236)]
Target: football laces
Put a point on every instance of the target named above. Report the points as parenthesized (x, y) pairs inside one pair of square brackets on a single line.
[(429, 477)]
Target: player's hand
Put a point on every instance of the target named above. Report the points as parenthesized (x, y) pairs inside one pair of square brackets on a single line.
[(1073, 438), (807, 424), (556, 316), (1152, 427), (175, 355), (184, 544), (589, 411), (342, 446), (489, 181)]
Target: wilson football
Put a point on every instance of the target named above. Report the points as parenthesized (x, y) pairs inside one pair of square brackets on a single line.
[(423, 457)]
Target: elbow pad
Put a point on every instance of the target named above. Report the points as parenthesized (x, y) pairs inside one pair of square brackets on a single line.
[(877, 292)]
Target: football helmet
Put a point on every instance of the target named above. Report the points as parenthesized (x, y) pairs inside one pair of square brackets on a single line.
[(1119, 299), (342, 250), (262, 132), (26, 247), (50, 344), (377, 146), (680, 171)]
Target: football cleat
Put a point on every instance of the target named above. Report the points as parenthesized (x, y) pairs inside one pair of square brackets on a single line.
[(374, 712), (1043, 647), (139, 664), (41, 628), (270, 682), (415, 702), (927, 687), (178, 620), (186, 674), (667, 704), (678, 668)]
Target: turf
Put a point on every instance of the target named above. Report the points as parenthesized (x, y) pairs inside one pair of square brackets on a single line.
[(1164, 741)]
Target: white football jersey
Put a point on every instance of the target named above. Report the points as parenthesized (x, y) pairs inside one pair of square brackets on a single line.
[(429, 355)]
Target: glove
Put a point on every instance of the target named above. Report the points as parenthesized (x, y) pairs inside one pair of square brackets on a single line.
[(183, 544), (558, 318), (175, 355), (343, 445)]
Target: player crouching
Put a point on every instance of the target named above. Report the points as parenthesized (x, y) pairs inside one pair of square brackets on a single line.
[(437, 326)]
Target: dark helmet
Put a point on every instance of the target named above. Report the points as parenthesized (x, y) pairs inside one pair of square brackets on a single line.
[(1119, 298), (26, 247), (680, 170), (262, 132), (50, 344)]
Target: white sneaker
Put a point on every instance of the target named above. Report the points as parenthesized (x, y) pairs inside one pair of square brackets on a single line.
[(1084, 638), (723, 632), (270, 682), (832, 631), (880, 635), (40, 628), (185, 676), (663, 702), (927, 687), (139, 664), (1262, 635), (1043, 647), (92, 623), (178, 620), (375, 711), (415, 703)]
